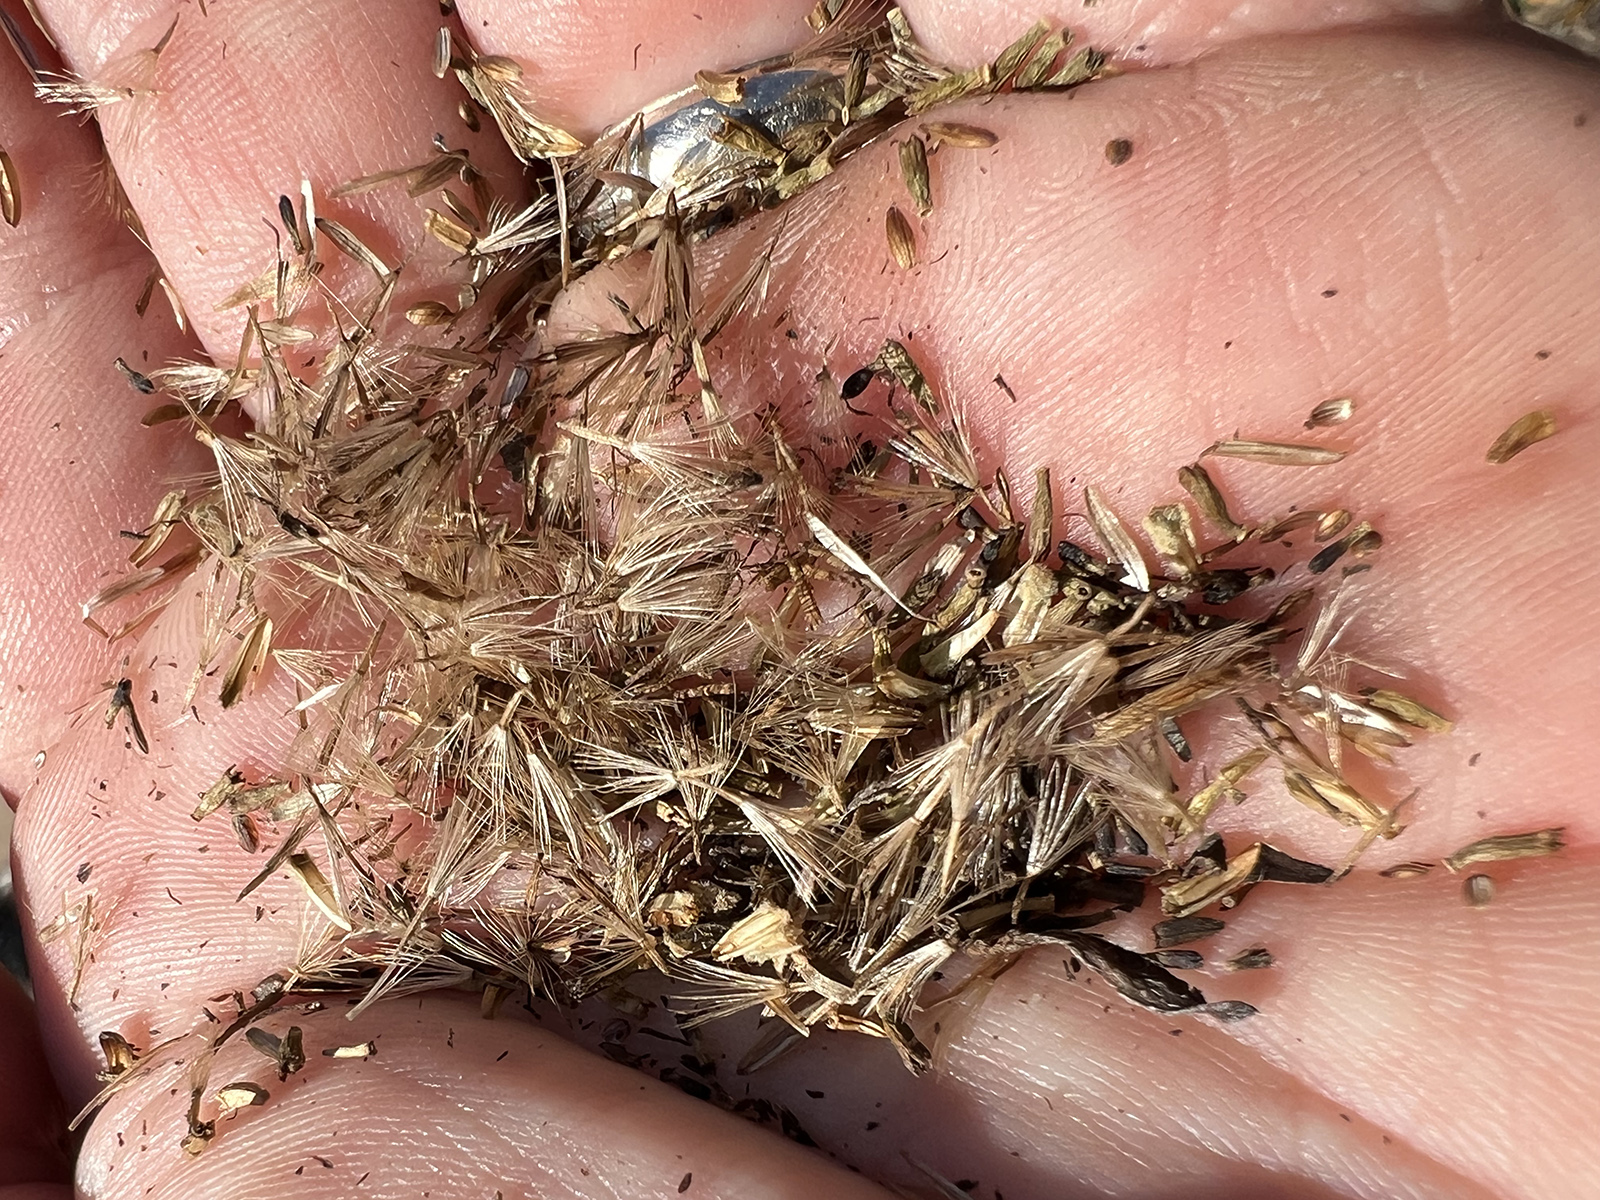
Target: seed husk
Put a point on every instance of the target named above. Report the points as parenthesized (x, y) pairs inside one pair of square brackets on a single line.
[(318, 888), (1256, 959), (958, 136), (1277, 454), (1412, 712), (1505, 846), (1119, 151), (358, 1050), (234, 1096), (724, 86), (441, 52), (1523, 432), (254, 650), (1406, 870), (914, 173), (1197, 481)]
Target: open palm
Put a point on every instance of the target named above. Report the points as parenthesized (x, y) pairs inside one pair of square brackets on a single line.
[(1383, 199)]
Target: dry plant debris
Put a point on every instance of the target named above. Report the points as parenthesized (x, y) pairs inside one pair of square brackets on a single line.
[(790, 728)]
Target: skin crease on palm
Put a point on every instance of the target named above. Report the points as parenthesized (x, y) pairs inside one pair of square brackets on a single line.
[(1406, 215)]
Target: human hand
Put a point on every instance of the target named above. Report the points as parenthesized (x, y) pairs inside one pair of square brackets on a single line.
[(1437, 182)]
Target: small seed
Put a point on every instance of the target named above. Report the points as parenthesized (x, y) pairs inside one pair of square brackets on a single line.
[(902, 241), (1479, 890), (1524, 432), (1331, 412), (958, 136)]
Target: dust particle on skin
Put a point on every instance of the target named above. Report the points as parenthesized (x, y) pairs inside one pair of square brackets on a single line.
[(683, 1184), (1118, 151)]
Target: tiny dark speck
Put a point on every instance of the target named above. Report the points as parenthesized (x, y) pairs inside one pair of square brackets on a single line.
[(1344, 1117), (814, 1094), (83, 872), (1118, 151), (1579, 121), (1473, 761), (1329, 293), (502, 1054), (1175, 1032), (683, 1184), (871, 1125), (1541, 355)]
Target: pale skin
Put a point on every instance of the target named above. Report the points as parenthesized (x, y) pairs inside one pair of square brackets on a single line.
[(1440, 181)]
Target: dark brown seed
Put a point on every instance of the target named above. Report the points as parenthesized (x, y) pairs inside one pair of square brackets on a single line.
[(1177, 931), (1274, 866), (139, 382), (857, 382), (1178, 960), (291, 223), (1134, 975), (1256, 959), (1118, 151)]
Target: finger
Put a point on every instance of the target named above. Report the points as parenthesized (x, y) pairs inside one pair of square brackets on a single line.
[(1152, 33), (242, 104), (78, 467), (528, 1115), (33, 1127), (643, 49)]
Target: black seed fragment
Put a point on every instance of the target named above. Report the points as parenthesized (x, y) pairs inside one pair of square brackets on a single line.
[(1178, 960), (856, 383), (1178, 930)]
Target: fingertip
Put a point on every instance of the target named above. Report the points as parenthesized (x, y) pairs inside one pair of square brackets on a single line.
[(33, 1130)]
